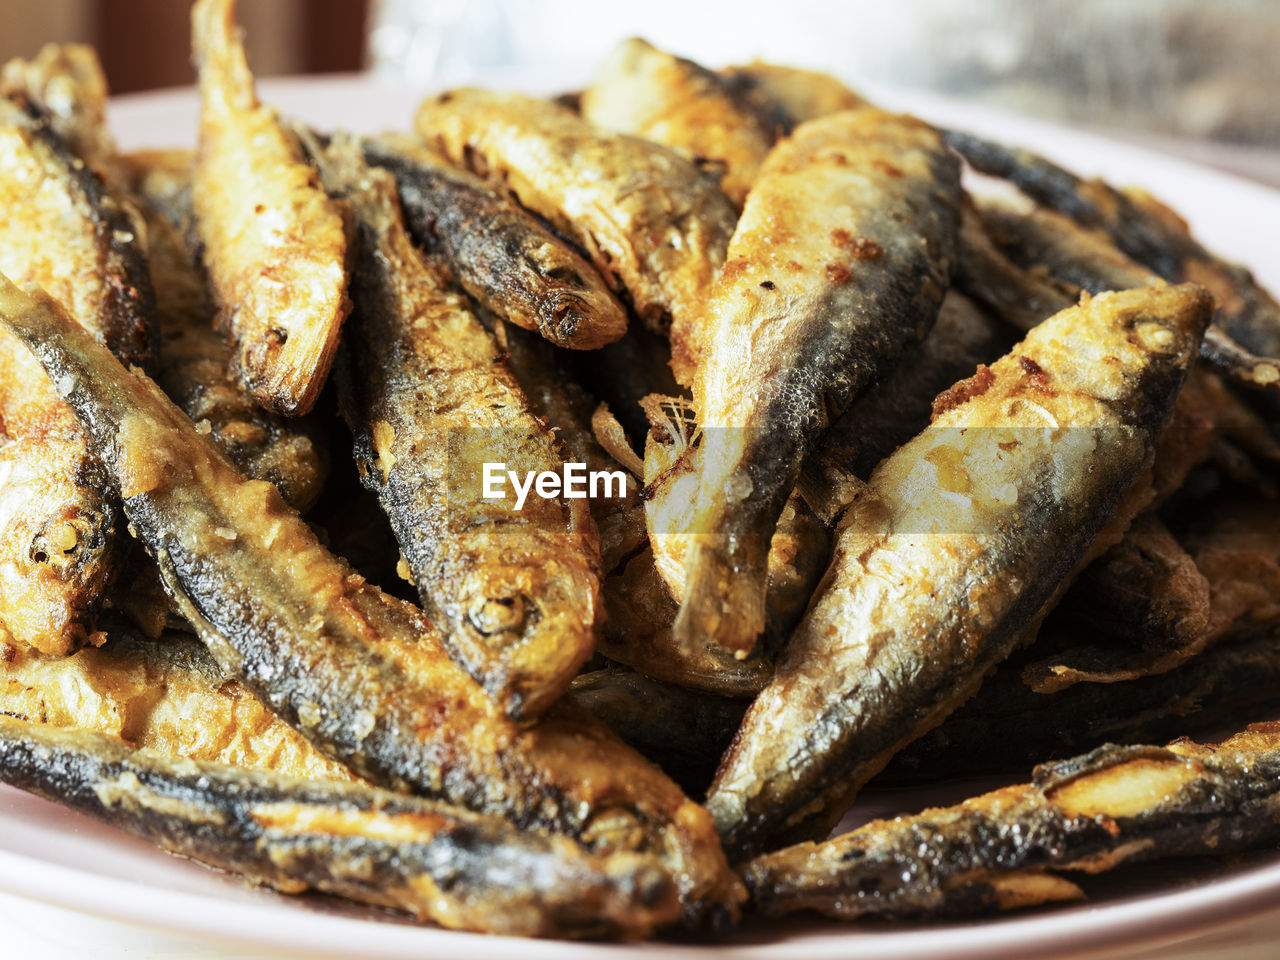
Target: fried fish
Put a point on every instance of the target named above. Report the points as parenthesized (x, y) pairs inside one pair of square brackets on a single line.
[(513, 592), (62, 228), (360, 674), (941, 566), (838, 265), (644, 91), (438, 862), (274, 243), (653, 224), (1247, 321), (500, 254), (1010, 849)]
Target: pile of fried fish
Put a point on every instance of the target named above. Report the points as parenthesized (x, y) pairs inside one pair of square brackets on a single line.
[(923, 478)]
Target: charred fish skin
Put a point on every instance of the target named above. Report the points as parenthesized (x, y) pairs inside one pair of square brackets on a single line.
[(192, 367), (56, 107), (853, 686), (797, 95), (147, 692), (653, 224), (363, 676), (61, 522), (515, 595), (1007, 726), (644, 91), (1248, 316), (275, 245), (898, 407), (500, 254), (1008, 849), (839, 264), (463, 870)]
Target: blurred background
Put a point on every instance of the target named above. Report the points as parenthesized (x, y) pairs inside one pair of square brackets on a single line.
[(1203, 73)]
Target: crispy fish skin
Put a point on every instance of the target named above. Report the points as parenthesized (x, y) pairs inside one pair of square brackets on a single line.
[(192, 368), (166, 695), (839, 263), (62, 228), (642, 90), (1007, 849), (556, 397), (1018, 297), (463, 870), (274, 243), (67, 82), (501, 255), (360, 674), (799, 94), (649, 219), (939, 567), (57, 533), (1008, 726), (637, 632), (514, 594), (108, 292), (1247, 318), (898, 407)]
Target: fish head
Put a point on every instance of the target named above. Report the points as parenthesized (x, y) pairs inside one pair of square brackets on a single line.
[(56, 530)]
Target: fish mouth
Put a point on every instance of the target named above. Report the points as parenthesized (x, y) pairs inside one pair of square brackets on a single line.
[(563, 313)]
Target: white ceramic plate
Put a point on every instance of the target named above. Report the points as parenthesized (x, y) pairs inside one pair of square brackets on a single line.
[(51, 855)]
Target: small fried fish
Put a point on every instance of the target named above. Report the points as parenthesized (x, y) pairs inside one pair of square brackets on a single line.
[(438, 862), (275, 244), (653, 224), (673, 101), (1009, 849), (360, 674), (838, 265), (515, 593), (61, 227), (961, 539), (1245, 337), (500, 254)]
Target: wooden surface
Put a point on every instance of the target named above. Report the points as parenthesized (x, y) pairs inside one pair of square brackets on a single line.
[(145, 44)]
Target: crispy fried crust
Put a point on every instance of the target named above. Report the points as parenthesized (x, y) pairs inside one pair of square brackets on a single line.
[(499, 253), (438, 862), (61, 227), (192, 359), (651, 222), (1244, 340), (839, 263), (275, 245), (166, 695), (940, 567), (360, 674), (642, 90), (1006, 849), (429, 399)]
